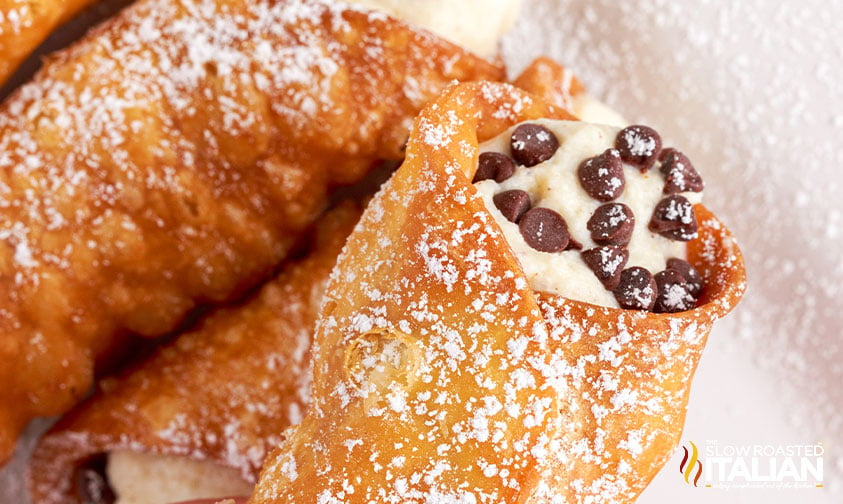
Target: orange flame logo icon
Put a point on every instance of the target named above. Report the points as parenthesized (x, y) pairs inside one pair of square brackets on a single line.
[(686, 468)]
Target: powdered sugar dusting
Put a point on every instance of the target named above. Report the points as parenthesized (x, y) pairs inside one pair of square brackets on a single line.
[(16, 16), (223, 392), (93, 164), (470, 376), (174, 155), (573, 391), (753, 97)]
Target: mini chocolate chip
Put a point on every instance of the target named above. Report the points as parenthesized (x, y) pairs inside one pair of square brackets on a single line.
[(674, 218), (607, 264), (602, 176), (639, 145), (533, 143), (674, 292), (92, 484), (494, 165), (611, 224), (544, 230), (636, 289), (512, 204), (667, 151), (689, 273), (680, 174)]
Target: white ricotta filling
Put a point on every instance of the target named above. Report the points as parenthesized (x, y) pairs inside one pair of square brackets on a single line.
[(554, 184), (476, 25), (589, 109), (149, 478)]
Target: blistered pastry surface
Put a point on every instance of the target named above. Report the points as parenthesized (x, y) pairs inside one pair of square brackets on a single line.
[(172, 156), (428, 385), (26, 23), (440, 376), (224, 392), (628, 376)]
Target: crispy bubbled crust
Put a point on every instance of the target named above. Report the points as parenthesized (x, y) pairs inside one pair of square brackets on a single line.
[(172, 156), (441, 376), (223, 392), (430, 351)]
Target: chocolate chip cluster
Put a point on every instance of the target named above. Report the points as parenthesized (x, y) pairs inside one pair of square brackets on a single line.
[(542, 228), (675, 289), (602, 178)]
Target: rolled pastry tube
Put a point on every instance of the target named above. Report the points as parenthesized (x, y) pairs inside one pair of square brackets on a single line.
[(441, 374), (197, 418), (476, 25), (173, 156)]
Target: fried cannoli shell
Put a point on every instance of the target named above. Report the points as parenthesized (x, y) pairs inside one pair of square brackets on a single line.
[(439, 375), (24, 24), (629, 376), (173, 157), (550, 80), (430, 345), (224, 392)]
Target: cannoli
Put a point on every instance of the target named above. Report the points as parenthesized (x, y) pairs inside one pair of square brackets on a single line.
[(443, 374), (214, 400), (66, 466), (24, 24), (173, 156)]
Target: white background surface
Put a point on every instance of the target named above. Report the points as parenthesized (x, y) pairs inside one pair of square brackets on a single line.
[(752, 91)]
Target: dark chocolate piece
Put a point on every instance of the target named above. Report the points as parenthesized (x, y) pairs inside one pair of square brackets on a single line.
[(611, 224), (512, 204), (607, 264), (674, 292), (689, 273), (92, 484), (636, 289), (639, 145), (544, 230), (533, 143), (674, 218), (602, 176), (667, 151), (494, 165), (680, 175)]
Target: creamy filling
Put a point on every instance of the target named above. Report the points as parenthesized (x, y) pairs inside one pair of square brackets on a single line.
[(554, 184), (149, 478), (476, 25), (589, 109)]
